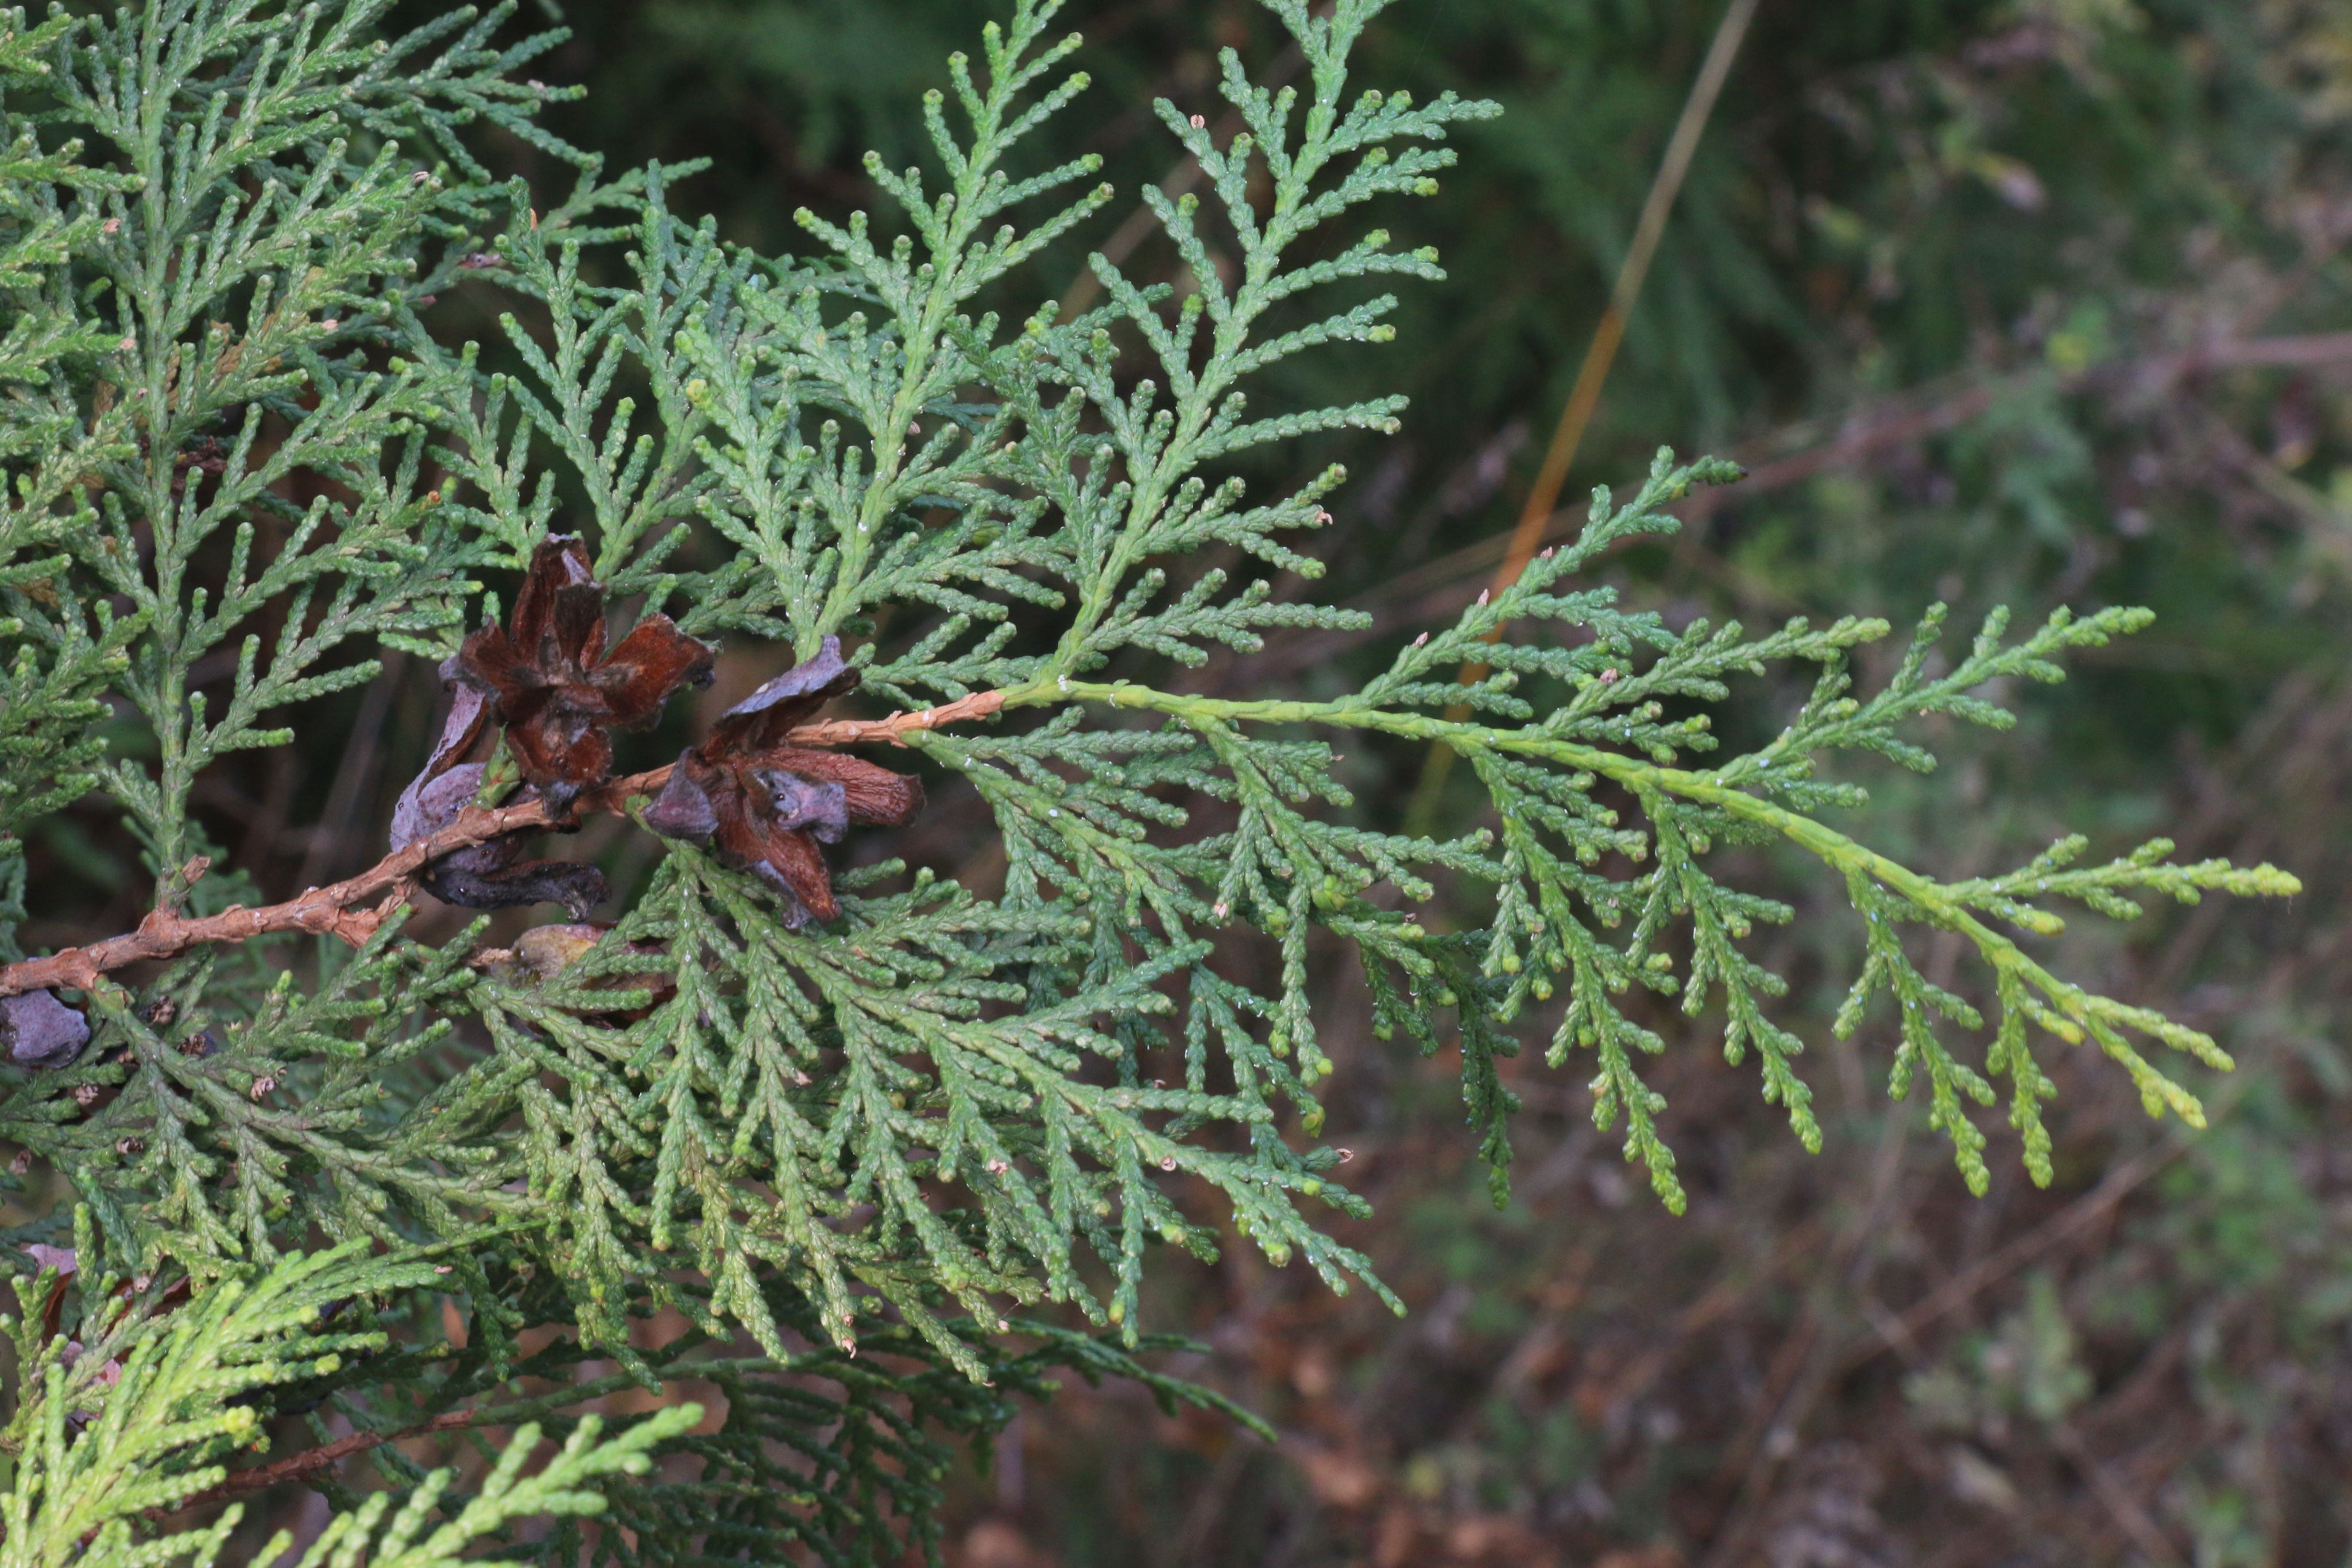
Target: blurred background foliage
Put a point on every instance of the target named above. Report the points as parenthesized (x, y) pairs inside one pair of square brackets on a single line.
[(2028, 301)]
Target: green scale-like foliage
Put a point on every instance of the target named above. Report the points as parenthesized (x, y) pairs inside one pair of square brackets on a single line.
[(840, 1155)]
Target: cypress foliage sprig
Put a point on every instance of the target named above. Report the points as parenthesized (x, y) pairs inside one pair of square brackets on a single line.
[(855, 1135)]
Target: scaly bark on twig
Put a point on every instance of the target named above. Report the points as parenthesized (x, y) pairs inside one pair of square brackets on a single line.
[(334, 910)]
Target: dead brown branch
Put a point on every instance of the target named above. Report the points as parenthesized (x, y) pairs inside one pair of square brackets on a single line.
[(309, 1461), (353, 908)]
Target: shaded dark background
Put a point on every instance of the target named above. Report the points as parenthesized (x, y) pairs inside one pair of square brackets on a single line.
[(2002, 303)]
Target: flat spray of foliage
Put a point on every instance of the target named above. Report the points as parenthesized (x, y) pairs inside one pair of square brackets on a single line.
[(834, 1156)]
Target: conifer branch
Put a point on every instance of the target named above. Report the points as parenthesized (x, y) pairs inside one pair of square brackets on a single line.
[(851, 1113), (334, 909), (1948, 906)]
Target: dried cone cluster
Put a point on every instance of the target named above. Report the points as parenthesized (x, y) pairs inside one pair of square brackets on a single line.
[(765, 805), (492, 874), (548, 678), (549, 681)]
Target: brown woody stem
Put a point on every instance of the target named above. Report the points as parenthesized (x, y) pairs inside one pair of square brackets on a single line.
[(390, 883), (309, 1461)]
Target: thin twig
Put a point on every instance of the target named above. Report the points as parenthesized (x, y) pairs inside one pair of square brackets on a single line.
[(1438, 590), (309, 1461), (1601, 354), (334, 909), (1964, 1287), (2129, 1516)]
